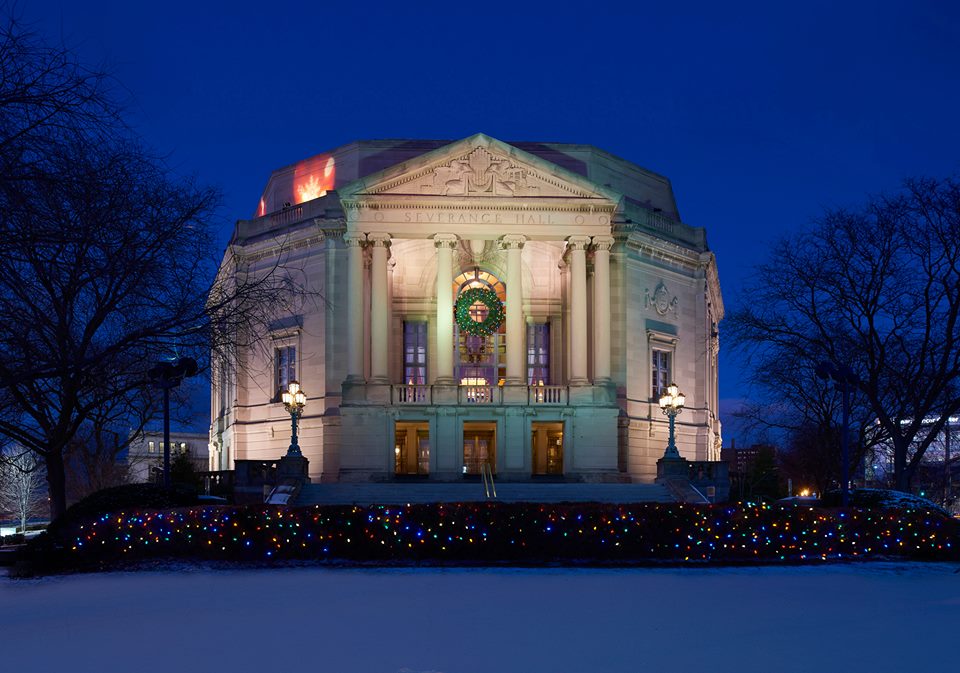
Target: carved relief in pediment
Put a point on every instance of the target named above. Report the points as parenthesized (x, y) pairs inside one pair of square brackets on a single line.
[(481, 172)]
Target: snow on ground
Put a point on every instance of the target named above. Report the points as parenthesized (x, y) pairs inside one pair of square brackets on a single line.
[(851, 618)]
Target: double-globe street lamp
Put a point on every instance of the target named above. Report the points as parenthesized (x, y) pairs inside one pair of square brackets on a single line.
[(671, 402), (294, 399)]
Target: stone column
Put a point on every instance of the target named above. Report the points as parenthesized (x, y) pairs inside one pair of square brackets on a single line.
[(601, 308), (577, 246), (516, 334), (379, 308), (445, 243), (355, 340)]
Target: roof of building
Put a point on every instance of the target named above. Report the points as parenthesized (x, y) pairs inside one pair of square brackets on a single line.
[(314, 176)]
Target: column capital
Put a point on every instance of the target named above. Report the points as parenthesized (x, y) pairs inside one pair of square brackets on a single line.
[(379, 239), (603, 242), (354, 239), (513, 241), (445, 240), (578, 242)]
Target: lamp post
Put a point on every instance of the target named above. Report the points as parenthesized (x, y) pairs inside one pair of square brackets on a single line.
[(166, 376), (671, 402), (844, 380), (294, 399)]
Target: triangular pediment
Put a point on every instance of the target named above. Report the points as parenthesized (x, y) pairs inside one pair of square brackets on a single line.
[(478, 166)]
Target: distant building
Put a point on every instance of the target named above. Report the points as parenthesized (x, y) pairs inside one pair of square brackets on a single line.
[(741, 459), (146, 452), (517, 306)]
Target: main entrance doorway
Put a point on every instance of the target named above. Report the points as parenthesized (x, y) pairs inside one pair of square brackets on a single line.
[(546, 442), (479, 446), (411, 448)]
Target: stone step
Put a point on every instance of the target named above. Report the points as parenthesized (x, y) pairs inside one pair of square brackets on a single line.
[(403, 493)]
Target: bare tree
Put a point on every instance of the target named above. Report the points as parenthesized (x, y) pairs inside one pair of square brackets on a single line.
[(878, 289), (21, 484), (106, 263), (803, 413)]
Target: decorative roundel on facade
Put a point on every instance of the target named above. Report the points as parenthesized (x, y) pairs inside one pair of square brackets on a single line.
[(470, 320)]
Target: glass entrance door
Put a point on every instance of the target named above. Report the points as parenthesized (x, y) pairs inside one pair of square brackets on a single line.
[(546, 442), (479, 447), (411, 448)]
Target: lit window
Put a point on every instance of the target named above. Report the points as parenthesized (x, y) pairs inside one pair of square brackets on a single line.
[(538, 354), (661, 372), (285, 367), (151, 447), (415, 353)]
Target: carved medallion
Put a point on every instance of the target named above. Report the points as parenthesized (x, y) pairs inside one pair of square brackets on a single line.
[(660, 300)]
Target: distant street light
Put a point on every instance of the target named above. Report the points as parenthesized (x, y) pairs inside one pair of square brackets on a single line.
[(166, 376), (294, 399), (671, 402), (845, 381)]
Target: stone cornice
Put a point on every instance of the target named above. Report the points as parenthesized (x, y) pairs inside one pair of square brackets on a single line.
[(708, 262), (507, 204), (655, 248)]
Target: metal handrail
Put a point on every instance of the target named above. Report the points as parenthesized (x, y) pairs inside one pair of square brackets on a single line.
[(486, 473)]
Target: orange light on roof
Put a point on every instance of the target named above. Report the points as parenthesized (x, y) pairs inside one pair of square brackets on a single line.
[(313, 178)]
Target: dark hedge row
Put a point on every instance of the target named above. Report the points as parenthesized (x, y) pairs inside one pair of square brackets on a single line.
[(512, 533)]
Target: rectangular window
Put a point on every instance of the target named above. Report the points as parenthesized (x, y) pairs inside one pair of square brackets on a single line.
[(151, 447), (285, 367), (415, 353), (538, 354), (661, 371)]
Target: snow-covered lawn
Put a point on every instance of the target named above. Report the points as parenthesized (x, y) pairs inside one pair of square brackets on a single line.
[(851, 618)]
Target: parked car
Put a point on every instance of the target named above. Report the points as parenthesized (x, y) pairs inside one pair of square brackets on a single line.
[(801, 500), (882, 499)]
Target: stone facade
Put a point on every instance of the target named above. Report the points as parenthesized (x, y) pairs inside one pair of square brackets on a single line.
[(145, 453), (602, 286)]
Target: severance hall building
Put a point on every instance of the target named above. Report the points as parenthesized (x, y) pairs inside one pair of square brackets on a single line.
[(472, 303)]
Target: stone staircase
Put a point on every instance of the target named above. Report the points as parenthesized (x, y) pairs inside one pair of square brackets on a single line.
[(368, 493)]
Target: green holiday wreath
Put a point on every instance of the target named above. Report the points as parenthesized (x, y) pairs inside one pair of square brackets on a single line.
[(486, 296)]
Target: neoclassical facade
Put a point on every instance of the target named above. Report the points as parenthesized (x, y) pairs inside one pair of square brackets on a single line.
[(474, 303)]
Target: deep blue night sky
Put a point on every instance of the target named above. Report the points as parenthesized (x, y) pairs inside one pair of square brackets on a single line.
[(761, 114)]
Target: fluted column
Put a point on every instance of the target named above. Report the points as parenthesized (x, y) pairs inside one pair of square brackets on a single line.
[(516, 334), (355, 341), (379, 308), (601, 308), (577, 246), (445, 244)]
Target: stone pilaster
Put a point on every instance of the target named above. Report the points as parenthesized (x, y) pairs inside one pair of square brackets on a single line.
[(445, 243), (355, 340), (577, 251), (516, 334), (379, 308), (601, 308)]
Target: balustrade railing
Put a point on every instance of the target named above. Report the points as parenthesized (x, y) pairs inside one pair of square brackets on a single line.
[(548, 394), (411, 394), (536, 395), (479, 394)]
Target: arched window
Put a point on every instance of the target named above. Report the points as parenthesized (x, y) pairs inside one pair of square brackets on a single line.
[(481, 360)]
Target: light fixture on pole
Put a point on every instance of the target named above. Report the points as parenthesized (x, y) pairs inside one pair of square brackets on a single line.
[(846, 382), (671, 402), (167, 375), (294, 399)]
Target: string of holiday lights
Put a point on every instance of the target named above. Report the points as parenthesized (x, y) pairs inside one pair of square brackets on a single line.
[(517, 532)]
